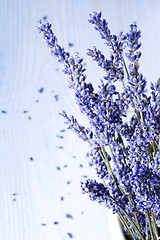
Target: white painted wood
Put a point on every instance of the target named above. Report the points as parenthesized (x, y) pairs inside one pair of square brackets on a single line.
[(31, 190)]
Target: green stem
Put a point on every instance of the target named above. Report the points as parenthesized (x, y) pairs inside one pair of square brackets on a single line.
[(146, 227), (123, 221), (141, 114), (121, 140), (111, 173), (152, 222), (136, 112), (105, 158), (125, 67), (150, 225), (136, 228), (126, 226), (106, 161), (135, 214), (154, 225)]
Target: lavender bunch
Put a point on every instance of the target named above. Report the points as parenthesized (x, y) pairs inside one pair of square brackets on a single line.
[(125, 151)]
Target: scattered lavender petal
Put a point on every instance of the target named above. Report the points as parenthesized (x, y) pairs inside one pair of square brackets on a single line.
[(70, 235), (43, 224), (3, 111), (45, 18), (68, 215), (59, 136), (70, 44), (41, 90), (69, 182), (87, 154), (63, 130), (85, 176), (60, 147), (56, 223), (14, 194), (56, 97)]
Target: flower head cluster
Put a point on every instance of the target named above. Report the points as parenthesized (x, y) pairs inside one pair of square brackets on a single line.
[(125, 151)]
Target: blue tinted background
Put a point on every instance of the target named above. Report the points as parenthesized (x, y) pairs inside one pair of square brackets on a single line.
[(40, 162)]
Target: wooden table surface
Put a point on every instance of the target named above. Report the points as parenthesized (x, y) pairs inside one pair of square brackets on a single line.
[(41, 162)]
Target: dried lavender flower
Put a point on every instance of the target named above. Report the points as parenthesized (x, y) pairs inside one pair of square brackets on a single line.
[(125, 151)]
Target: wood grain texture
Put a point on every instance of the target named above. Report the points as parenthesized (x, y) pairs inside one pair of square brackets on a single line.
[(31, 189)]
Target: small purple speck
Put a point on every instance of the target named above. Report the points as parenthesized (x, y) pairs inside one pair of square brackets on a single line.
[(59, 136), (41, 90), (70, 44), (62, 198), (43, 224), (69, 182), (56, 97), (68, 215), (87, 154), (31, 158), (3, 111), (45, 18), (58, 168), (56, 223), (60, 147), (70, 235), (14, 194), (84, 176), (63, 130)]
